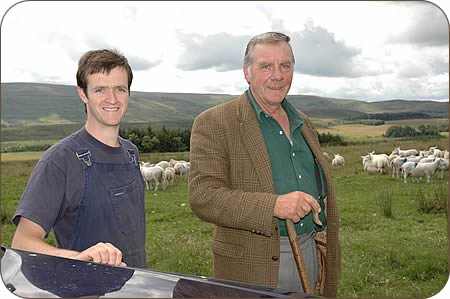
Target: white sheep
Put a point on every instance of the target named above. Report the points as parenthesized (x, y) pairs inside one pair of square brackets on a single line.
[(425, 153), (446, 154), (371, 169), (427, 159), (407, 168), (172, 162), (414, 158), (163, 164), (442, 167), (396, 166), (405, 153), (427, 169), (170, 175), (392, 156), (325, 154), (338, 160), (181, 168), (153, 174), (380, 162), (436, 152)]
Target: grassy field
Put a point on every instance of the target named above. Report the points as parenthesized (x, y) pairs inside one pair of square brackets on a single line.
[(399, 254), (357, 132)]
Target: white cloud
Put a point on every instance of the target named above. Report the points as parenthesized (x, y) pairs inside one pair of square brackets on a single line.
[(372, 50)]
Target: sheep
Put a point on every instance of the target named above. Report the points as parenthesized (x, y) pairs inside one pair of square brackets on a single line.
[(405, 153), (181, 168), (338, 160), (427, 160), (436, 152), (380, 162), (425, 153), (427, 169), (396, 166), (371, 169), (146, 164), (170, 175), (325, 154), (414, 158), (153, 174), (442, 167), (163, 164), (392, 156), (446, 154), (407, 168)]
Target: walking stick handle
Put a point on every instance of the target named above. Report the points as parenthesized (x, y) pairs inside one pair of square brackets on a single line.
[(298, 256)]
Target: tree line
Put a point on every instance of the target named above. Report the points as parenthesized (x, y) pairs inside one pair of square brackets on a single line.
[(421, 131), (149, 140), (162, 140), (393, 116)]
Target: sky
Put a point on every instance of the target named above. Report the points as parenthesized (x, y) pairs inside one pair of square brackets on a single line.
[(363, 50)]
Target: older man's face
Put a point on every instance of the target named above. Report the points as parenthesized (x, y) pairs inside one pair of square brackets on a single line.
[(270, 75)]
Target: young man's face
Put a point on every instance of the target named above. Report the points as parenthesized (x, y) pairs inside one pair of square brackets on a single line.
[(270, 75), (106, 99)]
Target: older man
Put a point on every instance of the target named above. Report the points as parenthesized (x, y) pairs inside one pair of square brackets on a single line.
[(256, 161)]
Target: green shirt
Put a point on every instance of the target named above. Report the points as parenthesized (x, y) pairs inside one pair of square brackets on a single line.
[(292, 163)]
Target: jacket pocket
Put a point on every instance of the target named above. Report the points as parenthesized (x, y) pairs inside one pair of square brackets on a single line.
[(229, 250), (125, 203)]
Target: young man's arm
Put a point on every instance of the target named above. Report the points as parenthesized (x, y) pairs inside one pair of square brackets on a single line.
[(29, 236)]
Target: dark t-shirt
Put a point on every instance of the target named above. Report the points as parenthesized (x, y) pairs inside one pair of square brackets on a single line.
[(55, 188)]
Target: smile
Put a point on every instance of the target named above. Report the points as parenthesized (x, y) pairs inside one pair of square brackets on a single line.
[(110, 109)]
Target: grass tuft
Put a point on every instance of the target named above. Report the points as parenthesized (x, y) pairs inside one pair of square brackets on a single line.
[(385, 203)]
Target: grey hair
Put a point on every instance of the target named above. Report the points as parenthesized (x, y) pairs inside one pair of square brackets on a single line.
[(265, 38)]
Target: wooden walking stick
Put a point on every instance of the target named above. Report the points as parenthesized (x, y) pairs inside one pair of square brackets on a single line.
[(298, 256), (297, 252)]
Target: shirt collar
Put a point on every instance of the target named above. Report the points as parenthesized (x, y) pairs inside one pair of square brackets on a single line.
[(260, 114), (295, 119)]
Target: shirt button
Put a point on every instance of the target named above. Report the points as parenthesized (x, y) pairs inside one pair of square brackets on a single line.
[(301, 224), (300, 176), (293, 154), (281, 132), (274, 258)]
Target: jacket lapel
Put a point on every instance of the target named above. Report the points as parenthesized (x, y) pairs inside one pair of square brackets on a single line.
[(254, 143), (308, 134)]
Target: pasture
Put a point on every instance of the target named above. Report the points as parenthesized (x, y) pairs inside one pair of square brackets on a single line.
[(360, 132), (403, 253)]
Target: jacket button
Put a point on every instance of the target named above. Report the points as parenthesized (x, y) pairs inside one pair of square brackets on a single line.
[(274, 258)]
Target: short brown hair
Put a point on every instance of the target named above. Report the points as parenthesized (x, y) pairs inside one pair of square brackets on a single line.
[(101, 61)]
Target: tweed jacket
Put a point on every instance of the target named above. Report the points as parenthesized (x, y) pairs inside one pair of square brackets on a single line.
[(231, 186)]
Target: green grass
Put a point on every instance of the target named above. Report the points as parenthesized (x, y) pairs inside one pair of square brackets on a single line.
[(404, 255)]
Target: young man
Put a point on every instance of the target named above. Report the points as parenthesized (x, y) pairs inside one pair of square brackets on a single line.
[(256, 161), (88, 187)]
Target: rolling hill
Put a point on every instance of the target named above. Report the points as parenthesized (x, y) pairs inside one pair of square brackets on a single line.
[(35, 107)]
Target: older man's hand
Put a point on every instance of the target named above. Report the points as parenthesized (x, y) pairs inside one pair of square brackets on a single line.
[(296, 205)]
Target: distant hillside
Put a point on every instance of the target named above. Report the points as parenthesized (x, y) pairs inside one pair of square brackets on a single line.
[(45, 104)]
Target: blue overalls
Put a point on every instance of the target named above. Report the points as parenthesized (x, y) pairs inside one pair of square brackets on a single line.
[(112, 208)]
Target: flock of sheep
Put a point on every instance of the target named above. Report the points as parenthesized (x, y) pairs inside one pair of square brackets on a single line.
[(414, 163), (163, 173)]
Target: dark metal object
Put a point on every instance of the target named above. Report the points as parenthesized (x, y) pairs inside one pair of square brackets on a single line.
[(33, 275)]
